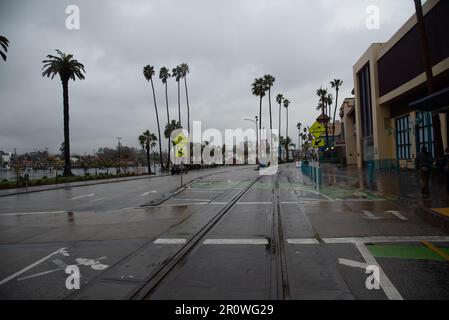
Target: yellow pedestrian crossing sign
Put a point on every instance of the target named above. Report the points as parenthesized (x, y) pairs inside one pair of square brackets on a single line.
[(317, 129), (318, 143), (180, 140), (181, 152)]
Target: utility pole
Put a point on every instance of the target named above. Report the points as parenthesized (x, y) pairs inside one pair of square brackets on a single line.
[(119, 146), (425, 51)]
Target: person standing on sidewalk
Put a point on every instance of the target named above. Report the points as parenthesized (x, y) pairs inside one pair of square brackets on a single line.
[(423, 165)]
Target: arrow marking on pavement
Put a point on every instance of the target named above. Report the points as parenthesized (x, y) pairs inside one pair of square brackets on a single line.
[(83, 196), (370, 215)]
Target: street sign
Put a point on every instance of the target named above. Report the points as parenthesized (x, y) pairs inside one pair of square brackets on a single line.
[(318, 143), (181, 152), (317, 129), (181, 139)]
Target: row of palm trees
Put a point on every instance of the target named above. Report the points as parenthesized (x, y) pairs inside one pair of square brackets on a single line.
[(179, 73), (325, 101), (260, 87)]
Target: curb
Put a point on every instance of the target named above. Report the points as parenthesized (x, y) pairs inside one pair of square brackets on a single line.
[(85, 184)]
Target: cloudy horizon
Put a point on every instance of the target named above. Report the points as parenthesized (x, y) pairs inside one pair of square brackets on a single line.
[(227, 44)]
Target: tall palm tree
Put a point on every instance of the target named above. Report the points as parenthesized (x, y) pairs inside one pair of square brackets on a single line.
[(68, 69), (336, 84), (164, 75), (170, 127), (323, 96), (4, 43), (259, 89), (299, 126), (279, 100), (287, 139), (184, 71), (329, 100), (148, 73), (148, 140), (269, 82), (177, 74)]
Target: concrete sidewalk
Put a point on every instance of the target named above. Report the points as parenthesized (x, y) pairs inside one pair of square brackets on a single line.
[(402, 186)]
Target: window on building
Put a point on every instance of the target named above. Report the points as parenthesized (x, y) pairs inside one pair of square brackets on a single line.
[(366, 111), (403, 143), (424, 132)]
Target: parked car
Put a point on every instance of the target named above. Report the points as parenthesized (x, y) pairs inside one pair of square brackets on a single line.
[(178, 168)]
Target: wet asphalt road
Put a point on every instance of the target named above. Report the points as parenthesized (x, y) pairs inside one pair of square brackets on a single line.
[(327, 239)]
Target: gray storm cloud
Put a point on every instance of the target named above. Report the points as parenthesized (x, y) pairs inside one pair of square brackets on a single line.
[(227, 43)]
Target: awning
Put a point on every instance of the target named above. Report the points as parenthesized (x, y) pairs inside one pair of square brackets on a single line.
[(436, 102)]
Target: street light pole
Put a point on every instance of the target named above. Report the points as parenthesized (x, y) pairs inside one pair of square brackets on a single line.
[(257, 136), (119, 145)]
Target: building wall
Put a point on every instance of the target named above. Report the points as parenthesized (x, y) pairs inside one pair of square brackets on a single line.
[(393, 78), (349, 132)]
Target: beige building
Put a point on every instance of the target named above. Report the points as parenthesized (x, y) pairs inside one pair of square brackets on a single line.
[(347, 115), (393, 112)]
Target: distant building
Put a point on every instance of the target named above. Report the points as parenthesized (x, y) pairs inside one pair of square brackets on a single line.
[(347, 115), (393, 112)]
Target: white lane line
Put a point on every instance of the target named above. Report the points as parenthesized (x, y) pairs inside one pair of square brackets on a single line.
[(397, 214), (386, 239), (90, 195), (199, 200), (253, 203), (387, 286), (236, 241), (370, 215), (302, 241), (147, 193), (31, 213), (96, 200), (352, 263), (30, 266), (170, 241)]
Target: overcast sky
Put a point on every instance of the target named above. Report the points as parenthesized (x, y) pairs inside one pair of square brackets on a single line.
[(227, 43)]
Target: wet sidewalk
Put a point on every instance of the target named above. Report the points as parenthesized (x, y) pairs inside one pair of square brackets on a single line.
[(402, 186)]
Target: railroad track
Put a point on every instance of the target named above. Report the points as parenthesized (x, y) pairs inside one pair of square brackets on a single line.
[(278, 274)]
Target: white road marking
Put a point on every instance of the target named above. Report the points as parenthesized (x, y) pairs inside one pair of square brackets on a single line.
[(30, 266), (387, 239), (397, 214), (387, 286), (40, 274), (147, 193), (370, 215), (352, 263), (90, 195), (170, 241), (253, 203), (236, 241), (199, 200), (302, 241), (96, 200), (31, 213)]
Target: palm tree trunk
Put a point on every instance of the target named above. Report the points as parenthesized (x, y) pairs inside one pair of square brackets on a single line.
[(286, 136), (188, 106), (148, 158), (429, 75), (168, 119), (67, 164), (179, 103), (260, 127), (158, 125), (279, 139), (335, 114)]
